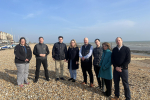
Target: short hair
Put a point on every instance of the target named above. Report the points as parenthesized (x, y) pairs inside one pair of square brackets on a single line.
[(107, 44), (60, 37), (41, 37), (97, 39), (118, 37)]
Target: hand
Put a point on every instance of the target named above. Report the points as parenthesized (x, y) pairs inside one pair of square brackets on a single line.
[(77, 62), (65, 60), (83, 58), (118, 69), (53, 59), (42, 55), (26, 60)]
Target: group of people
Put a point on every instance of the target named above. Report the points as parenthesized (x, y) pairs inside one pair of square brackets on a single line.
[(119, 57)]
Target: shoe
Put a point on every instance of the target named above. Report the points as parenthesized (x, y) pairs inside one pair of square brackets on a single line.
[(70, 79), (115, 98), (73, 80), (57, 79), (35, 81), (83, 83), (47, 79), (26, 83), (91, 85), (21, 85), (62, 78)]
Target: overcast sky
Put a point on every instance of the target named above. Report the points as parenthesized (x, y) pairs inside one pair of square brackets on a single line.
[(76, 19)]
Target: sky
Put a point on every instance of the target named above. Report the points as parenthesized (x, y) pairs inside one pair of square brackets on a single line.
[(76, 19)]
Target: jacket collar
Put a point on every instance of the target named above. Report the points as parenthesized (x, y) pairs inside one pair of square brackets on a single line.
[(106, 50)]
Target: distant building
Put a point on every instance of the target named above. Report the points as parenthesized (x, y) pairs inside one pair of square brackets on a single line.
[(5, 37)]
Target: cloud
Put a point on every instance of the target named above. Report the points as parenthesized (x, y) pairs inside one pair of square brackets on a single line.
[(31, 15), (122, 2)]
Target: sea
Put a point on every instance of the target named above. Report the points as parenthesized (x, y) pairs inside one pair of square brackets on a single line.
[(136, 47)]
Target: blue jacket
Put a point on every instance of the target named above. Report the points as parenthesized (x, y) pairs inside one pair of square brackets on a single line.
[(106, 69)]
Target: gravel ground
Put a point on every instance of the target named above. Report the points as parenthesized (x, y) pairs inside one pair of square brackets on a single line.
[(139, 80)]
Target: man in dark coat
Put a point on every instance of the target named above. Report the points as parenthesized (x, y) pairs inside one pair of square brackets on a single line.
[(97, 53), (41, 51), (59, 54), (121, 57)]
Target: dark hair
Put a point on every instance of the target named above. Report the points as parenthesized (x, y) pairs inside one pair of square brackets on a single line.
[(41, 37), (97, 39), (60, 37), (21, 39)]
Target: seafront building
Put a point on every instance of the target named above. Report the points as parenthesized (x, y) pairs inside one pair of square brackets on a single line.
[(6, 37)]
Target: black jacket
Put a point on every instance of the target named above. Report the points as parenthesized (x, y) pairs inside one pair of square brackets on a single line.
[(59, 51), (20, 55), (97, 53), (73, 54), (121, 58), (40, 49)]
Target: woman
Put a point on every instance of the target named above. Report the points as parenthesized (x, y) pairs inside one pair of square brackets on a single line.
[(73, 59), (106, 69), (23, 55)]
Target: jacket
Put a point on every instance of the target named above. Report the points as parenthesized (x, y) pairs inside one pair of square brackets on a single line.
[(106, 69), (97, 53), (21, 55), (59, 51), (121, 58), (40, 48), (73, 55)]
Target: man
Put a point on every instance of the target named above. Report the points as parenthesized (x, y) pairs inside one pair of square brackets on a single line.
[(97, 53), (86, 61), (121, 57), (59, 54), (41, 51)]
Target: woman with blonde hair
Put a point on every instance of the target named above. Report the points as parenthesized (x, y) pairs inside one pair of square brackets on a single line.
[(106, 69), (73, 59)]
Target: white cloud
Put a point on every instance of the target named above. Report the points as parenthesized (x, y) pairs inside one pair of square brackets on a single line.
[(31, 15)]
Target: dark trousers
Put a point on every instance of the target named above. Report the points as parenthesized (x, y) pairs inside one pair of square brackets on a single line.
[(124, 76), (96, 69), (108, 84), (88, 68), (38, 64)]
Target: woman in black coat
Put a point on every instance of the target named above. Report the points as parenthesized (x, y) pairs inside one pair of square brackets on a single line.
[(73, 59), (23, 55)]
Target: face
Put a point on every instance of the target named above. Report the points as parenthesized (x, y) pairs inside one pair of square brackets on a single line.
[(97, 43), (60, 40), (86, 41), (41, 40), (105, 47), (119, 41), (72, 43), (23, 41)]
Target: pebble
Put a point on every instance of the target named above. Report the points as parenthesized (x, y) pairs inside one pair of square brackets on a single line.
[(139, 79)]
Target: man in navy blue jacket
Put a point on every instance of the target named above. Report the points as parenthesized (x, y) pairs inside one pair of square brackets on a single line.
[(121, 57)]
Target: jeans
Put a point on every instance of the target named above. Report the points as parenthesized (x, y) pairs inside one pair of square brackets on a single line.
[(124, 76), (72, 72)]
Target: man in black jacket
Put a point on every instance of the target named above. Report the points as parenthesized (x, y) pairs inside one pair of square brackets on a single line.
[(97, 53), (41, 51), (59, 54), (121, 57)]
